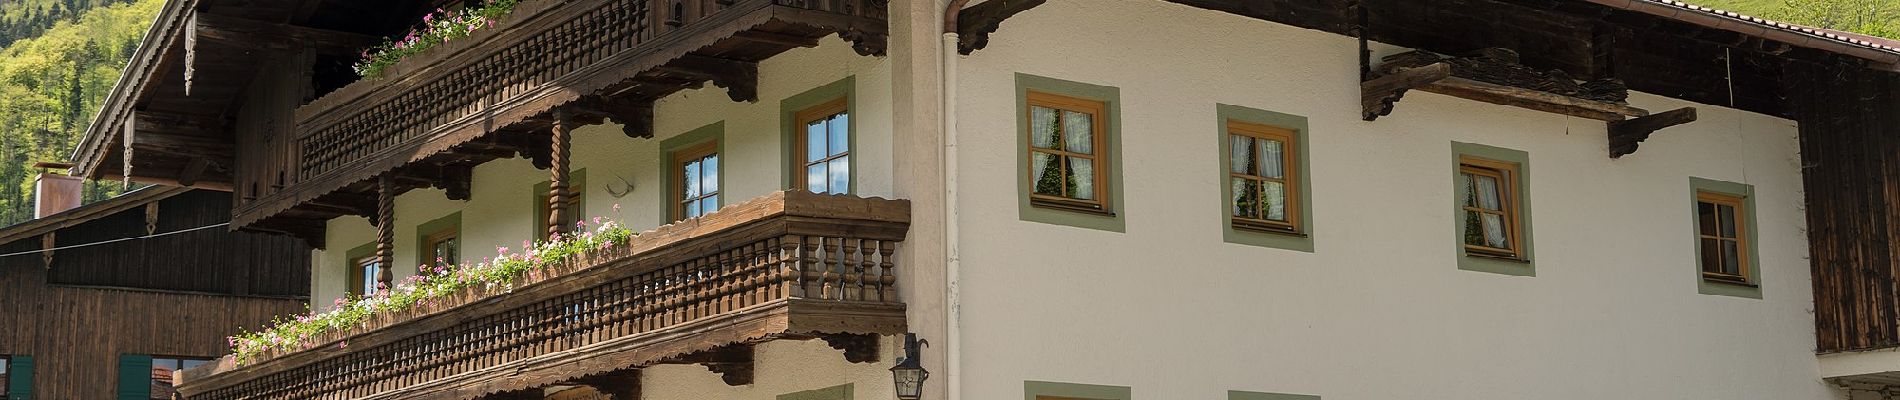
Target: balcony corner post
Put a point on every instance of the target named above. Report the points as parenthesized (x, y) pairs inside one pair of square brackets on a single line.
[(385, 230), (561, 148)]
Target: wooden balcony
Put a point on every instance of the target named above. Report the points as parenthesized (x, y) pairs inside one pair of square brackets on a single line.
[(430, 118), (790, 265)]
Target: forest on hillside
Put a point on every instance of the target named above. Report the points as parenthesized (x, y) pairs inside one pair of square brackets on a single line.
[(61, 59), (1872, 17)]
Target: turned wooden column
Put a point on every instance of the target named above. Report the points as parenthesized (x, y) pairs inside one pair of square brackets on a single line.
[(559, 180), (385, 230)]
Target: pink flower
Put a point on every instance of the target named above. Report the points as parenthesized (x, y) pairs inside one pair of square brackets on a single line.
[(616, 207), (342, 344)]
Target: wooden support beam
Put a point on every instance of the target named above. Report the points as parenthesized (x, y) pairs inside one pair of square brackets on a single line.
[(1377, 96), (618, 385), (151, 218), (240, 32), (740, 78), (778, 39), (976, 23), (857, 348), (192, 170), (732, 363), (634, 116), (1627, 134), (1533, 99), (47, 243)]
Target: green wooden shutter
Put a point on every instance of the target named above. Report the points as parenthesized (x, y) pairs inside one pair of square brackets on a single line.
[(20, 377), (135, 377)]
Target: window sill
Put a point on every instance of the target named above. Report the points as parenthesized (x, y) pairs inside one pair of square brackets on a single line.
[(1075, 208), (1267, 229), (1498, 258), (1725, 281)]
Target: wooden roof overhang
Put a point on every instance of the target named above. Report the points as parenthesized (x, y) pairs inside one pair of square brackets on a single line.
[(790, 265), (432, 118), (175, 102), (1655, 46)]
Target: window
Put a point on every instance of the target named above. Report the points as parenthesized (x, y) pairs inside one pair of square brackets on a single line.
[(576, 203), (1065, 147), (1261, 171), (161, 375), (1723, 243), (698, 174), (1490, 207), (441, 243), (824, 147), (1074, 391), (363, 275)]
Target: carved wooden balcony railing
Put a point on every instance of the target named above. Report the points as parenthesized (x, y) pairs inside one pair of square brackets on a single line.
[(544, 55), (790, 265)]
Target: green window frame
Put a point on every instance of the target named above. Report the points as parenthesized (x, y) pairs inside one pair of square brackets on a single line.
[(440, 238), (709, 138), (1300, 201), (840, 392), (796, 114), (1469, 157), (1102, 213), (1038, 390), (577, 204), (1740, 196), (1242, 395)]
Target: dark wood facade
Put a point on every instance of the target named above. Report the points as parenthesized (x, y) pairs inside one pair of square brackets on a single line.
[(1850, 150), (177, 295)]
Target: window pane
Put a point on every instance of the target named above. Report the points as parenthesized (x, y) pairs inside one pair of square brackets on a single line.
[(1046, 170), (1464, 187), (1727, 213), (1078, 132), (709, 204), (690, 176), (1488, 196), (1474, 229), (1275, 199), (692, 209), (1731, 258), (1246, 197), (816, 178), (1711, 255), (1240, 154), (841, 175), (840, 128), (1272, 159), (1494, 232), (369, 278), (1042, 127), (1705, 218), (1082, 178), (709, 172), (815, 145)]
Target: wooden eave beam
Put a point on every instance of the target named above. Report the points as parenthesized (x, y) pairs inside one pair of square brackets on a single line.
[(1377, 96), (634, 116), (1627, 134), (740, 78), (618, 385), (732, 363), (226, 30)]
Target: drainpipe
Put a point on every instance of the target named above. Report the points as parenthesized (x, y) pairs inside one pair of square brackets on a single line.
[(953, 266)]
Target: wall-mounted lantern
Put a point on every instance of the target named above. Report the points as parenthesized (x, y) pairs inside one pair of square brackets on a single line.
[(909, 373)]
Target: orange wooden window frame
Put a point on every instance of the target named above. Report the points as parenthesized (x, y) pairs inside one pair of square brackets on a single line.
[(1289, 170), (1099, 146), (436, 238), (1507, 177), (801, 139), (1735, 203)]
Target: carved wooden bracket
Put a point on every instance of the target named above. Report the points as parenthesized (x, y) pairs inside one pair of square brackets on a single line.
[(976, 23), (740, 78), (858, 348), (634, 116), (458, 181), (1379, 95), (1627, 134), (732, 363), (866, 42), (618, 385)]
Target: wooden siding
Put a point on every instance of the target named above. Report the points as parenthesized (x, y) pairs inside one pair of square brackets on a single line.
[(211, 260), (77, 334), (1850, 150)]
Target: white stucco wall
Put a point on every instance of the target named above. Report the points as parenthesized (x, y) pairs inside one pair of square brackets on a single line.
[(1379, 310)]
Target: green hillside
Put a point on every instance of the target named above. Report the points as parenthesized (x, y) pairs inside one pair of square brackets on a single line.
[(1873, 17), (53, 83)]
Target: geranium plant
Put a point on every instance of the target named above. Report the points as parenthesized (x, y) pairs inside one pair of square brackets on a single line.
[(496, 275), (437, 28)]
